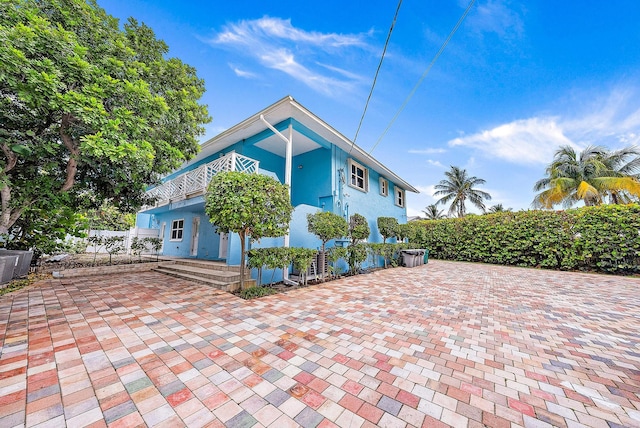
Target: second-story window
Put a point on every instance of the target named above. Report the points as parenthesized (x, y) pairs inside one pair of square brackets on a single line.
[(384, 186), (399, 197), (358, 176)]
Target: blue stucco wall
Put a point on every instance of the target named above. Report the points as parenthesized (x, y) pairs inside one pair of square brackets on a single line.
[(208, 237), (311, 178), (371, 204)]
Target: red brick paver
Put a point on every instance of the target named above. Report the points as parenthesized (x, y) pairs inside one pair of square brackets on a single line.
[(454, 344)]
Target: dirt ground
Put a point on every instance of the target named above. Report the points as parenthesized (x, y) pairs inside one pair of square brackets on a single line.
[(74, 261)]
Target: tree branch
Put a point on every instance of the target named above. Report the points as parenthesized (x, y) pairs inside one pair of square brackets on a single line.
[(72, 163), (12, 159)]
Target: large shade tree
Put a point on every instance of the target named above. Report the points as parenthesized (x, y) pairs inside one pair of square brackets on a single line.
[(252, 205), (88, 111), (590, 176), (458, 188)]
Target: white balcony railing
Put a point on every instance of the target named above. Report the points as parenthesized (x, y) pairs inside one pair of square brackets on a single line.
[(194, 183)]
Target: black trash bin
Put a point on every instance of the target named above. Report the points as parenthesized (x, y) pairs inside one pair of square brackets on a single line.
[(412, 258)]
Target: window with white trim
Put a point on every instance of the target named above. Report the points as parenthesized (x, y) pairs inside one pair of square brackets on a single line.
[(358, 176), (399, 197), (384, 186), (177, 227)]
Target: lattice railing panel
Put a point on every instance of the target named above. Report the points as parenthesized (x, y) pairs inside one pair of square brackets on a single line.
[(195, 182)]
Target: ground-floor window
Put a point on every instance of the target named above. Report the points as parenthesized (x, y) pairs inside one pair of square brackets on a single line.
[(177, 227)]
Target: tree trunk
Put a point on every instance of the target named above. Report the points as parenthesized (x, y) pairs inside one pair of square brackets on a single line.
[(74, 152), (323, 257), (242, 245)]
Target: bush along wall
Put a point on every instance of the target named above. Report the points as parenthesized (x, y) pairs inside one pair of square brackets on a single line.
[(605, 238)]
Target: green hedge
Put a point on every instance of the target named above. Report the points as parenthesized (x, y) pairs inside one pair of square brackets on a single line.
[(604, 238)]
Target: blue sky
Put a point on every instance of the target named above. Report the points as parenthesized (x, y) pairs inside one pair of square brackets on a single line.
[(515, 82)]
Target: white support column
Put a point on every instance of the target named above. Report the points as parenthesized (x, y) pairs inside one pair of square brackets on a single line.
[(288, 160), (287, 173)]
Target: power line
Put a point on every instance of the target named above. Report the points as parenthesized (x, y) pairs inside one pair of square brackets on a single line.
[(415, 88), (375, 78)]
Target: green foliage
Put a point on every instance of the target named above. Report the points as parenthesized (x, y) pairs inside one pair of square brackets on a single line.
[(154, 244), (334, 254), (388, 227), (432, 212), (590, 176), (109, 217), (327, 226), (96, 242), (404, 231), (280, 258), (138, 246), (88, 108), (15, 285), (458, 188), (356, 254), (602, 238), (358, 228), (302, 259), (114, 245), (256, 292), (251, 205), (45, 231)]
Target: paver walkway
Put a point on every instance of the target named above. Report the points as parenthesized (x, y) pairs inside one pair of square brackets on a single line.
[(442, 344)]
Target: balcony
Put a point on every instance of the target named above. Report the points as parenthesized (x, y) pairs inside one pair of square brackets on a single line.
[(194, 183)]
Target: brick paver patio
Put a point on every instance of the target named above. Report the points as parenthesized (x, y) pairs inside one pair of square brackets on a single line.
[(442, 344)]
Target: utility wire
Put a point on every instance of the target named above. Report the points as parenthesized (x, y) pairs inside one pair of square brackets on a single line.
[(375, 78), (415, 88)]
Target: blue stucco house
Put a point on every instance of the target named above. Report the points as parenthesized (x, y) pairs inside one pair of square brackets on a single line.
[(324, 169)]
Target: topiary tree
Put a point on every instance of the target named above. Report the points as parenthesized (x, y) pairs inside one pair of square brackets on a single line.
[(404, 231), (358, 228), (251, 205), (326, 226), (154, 243), (138, 245), (358, 231), (388, 227), (334, 254), (114, 245)]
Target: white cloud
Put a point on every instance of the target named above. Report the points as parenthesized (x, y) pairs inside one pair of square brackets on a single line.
[(495, 16), (430, 151), (276, 44), (417, 202), (610, 121), (527, 141), (435, 163), (242, 73)]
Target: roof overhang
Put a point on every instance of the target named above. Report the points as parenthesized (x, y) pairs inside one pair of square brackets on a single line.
[(279, 113)]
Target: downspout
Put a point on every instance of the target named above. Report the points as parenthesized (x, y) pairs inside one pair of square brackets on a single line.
[(287, 179)]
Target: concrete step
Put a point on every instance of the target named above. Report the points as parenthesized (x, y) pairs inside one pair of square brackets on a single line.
[(208, 272), (207, 264), (229, 286)]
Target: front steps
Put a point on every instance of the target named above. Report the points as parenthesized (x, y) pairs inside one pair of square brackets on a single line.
[(214, 274)]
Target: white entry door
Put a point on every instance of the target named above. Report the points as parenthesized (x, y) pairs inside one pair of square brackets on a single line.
[(224, 244), (195, 232)]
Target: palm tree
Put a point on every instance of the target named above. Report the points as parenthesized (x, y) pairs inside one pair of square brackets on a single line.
[(458, 188), (589, 176), (433, 213), (499, 208)]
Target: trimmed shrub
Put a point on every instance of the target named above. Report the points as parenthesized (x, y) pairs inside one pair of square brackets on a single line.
[(604, 238), (255, 292)]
